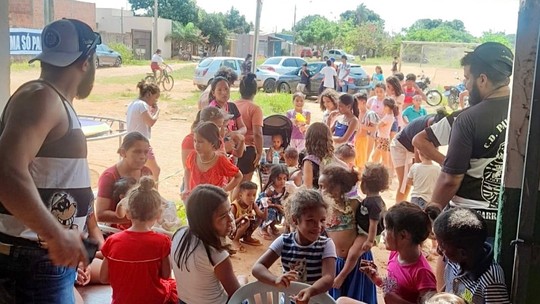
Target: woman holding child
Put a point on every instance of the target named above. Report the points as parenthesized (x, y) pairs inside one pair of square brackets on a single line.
[(134, 154)]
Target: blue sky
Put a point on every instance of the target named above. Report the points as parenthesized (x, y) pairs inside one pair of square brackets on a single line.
[(478, 15)]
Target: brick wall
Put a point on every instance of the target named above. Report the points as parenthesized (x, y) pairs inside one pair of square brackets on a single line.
[(29, 13)]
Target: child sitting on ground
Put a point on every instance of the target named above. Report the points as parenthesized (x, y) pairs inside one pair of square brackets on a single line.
[(277, 146), (471, 272), (247, 216), (306, 256), (270, 200), (410, 278), (140, 254), (168, 221)]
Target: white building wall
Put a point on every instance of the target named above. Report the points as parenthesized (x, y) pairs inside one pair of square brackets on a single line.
[(112, 20)]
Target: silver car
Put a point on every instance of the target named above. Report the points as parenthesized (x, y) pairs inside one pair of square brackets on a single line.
[(282, 64), (204, 72), (336, 54)]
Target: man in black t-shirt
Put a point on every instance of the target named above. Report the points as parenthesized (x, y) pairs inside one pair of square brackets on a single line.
[(471, 173)]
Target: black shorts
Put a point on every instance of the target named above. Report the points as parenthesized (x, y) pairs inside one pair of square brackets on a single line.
[(245, 163)]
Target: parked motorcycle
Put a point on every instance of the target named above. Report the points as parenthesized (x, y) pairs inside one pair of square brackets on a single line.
[(434, 97), (452, 94)]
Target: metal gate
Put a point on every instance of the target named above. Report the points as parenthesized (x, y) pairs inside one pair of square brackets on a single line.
[(142, 44)]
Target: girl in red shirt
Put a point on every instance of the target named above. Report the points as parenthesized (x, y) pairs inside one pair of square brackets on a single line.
[(136, 260), (206, 165)]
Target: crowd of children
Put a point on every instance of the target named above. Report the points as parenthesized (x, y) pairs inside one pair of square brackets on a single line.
[(323, 190)]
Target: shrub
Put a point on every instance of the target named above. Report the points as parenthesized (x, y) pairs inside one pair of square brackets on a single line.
[(124, 50)]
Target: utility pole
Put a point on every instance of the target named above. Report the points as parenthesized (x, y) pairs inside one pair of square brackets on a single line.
[(48, 12), (256, 35), (155, 30), (122, 23), (294, 31)]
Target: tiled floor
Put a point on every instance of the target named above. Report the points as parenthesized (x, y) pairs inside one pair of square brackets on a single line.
[(96, 294)]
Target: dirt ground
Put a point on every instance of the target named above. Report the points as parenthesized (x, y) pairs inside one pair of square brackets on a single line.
[(174, 124)]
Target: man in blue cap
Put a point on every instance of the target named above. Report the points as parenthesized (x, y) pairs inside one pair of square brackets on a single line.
[(45, 191)]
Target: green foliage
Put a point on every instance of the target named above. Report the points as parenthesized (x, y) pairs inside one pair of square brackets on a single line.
[(213, 27), (500, 37), (276, 103), (237, 23), (361, 15), (316, 30), (438, 30), (183, 11), (369, 38), (125, 52), (184, 35)]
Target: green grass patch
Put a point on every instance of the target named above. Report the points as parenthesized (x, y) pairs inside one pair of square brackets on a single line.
[(185, 72), (123, 95), (18, 66), (274, 103), (122, 80)]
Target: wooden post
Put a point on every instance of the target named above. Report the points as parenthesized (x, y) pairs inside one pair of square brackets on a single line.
[(518, 236)]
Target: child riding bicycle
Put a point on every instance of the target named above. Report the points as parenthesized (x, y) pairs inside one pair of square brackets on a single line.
[(156, 64)]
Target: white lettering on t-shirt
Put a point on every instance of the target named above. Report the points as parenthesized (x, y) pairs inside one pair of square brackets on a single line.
[(501, 127)]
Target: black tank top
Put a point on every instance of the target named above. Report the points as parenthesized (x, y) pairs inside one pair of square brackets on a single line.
[(61, 175)]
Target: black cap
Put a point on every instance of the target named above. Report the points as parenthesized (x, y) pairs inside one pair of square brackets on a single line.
[(496, 55)]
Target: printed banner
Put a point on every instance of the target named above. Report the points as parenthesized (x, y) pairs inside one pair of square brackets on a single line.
[(24, 41)]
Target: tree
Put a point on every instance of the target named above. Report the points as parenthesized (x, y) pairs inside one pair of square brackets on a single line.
[(368, 38), (361, 15), (183, 11), (438, 30), (500, 37), (237, 23), (213, 26), (316, 30), (185, 36)]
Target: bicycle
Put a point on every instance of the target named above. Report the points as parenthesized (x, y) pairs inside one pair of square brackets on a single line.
[(164, 80)]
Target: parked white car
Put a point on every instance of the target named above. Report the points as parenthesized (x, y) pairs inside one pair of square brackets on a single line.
[(204, 72), (336, 54), (282, 64)]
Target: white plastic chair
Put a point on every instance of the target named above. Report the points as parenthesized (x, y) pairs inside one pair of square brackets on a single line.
[(273, 295)]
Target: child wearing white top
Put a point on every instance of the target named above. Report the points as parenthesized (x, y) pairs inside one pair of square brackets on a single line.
[(200, 261), (423, 176)]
